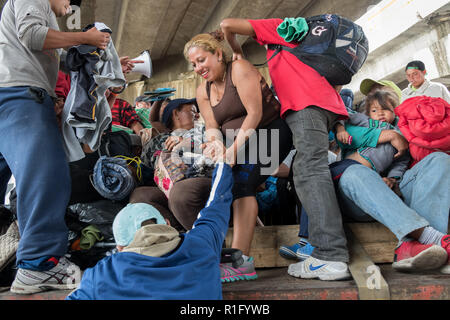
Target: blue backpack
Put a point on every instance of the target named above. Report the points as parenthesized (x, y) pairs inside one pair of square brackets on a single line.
[(334, 46)]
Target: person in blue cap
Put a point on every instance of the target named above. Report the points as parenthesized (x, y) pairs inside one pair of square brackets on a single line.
[(155, 261)]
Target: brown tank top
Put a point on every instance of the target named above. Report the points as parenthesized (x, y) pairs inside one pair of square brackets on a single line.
[(230, 112)]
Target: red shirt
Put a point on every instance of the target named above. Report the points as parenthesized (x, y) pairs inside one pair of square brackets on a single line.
[(297, 85), (123, 113)]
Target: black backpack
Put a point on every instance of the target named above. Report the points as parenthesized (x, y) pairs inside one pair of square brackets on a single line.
[(334, 46)]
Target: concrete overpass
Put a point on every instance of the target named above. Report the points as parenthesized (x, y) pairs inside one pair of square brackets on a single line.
[(398, 31)]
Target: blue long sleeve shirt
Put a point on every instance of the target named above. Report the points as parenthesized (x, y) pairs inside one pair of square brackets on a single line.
[(191, 272)]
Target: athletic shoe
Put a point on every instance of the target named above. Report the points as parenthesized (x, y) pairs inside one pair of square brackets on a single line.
[(9, 242), (445, 243), (64, 276), (324, 270), (246, 271), (415, 256), (298, 251)]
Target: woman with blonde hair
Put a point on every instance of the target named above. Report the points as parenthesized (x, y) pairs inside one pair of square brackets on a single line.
[(238, 106)]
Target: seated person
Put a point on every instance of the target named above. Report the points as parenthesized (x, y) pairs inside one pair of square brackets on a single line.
[(155, 261), (276, 196), (420, 222), (123, 113), (142, 102), (142, 108), (379, 114), (188, 196), (369, 86)]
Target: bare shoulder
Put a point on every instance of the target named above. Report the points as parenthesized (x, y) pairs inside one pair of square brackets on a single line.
[(242, 64), (201, 91), (243, 68)]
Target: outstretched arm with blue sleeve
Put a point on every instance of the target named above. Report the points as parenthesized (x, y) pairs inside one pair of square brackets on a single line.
[(212, 221)]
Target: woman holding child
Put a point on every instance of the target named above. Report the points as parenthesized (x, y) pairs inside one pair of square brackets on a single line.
[(236, 98)]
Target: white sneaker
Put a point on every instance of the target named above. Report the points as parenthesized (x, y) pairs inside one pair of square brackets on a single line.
[(446, 268), (64, 276), (324, 270)]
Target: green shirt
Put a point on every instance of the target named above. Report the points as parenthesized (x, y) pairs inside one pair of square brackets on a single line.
[(144, 115)]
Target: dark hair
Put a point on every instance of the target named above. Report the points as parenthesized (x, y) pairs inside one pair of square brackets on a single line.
[(170, 123), (416, 64), (387, 100), (148, 221)]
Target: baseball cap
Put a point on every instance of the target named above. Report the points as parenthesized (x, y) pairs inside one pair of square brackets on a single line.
[(129, 220), (416, 64), (367, 84), (172, 105)]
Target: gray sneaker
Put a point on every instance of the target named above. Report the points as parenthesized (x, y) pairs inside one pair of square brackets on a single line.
[(9, 242), (64, 276)]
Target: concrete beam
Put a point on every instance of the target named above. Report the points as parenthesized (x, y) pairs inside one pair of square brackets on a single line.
[(350, 9), (192, 23), (106, 12), (426, 40), (121, 23)]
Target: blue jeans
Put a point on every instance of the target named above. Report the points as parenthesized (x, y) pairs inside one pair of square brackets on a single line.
[(31, 148), (336, 169), (425, 188)]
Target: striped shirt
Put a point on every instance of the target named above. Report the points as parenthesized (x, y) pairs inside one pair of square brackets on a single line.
[(123, 114)]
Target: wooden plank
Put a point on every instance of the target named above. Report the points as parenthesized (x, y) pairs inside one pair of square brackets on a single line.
[(380, 252), (265, 244), (368, 232), (376, 240), (371, 284)]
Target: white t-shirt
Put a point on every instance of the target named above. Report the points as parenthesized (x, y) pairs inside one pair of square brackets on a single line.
[(429, 89)]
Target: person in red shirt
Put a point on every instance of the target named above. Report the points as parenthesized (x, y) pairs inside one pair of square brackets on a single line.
[(123, 113), (311, 107)]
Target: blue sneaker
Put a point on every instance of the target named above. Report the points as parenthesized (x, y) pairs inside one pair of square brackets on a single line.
[(299, 251)]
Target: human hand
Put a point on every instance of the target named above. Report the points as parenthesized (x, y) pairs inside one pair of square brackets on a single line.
[(172, 141), (399, 143), (97, 38), (146, 135), (390, 182), (344, 137), (215, 150), (58, 107), (128, 64)]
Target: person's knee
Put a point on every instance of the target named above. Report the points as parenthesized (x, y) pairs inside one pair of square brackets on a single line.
[(354, 176), (438, 158)]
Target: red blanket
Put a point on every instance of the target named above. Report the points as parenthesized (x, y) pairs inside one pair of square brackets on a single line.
[(425, 123)]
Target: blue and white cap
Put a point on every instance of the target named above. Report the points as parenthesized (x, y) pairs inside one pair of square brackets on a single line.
[(129, 220)]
